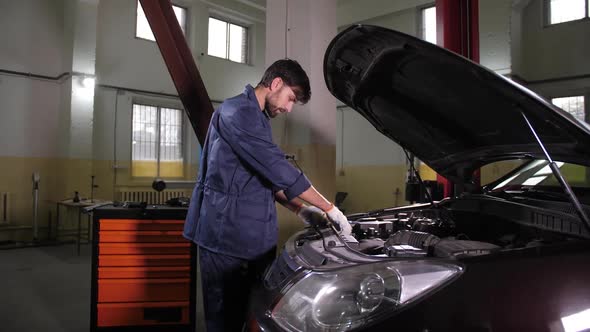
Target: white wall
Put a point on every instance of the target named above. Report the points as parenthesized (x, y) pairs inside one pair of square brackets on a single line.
[(131, 63), (553, 60), (43, 37), (29, 117), (224, 78), (359, 143), (354, 11), (553, 51), (404, 16), (405, 20), (494, 35), (126, 61), (123, 60), (31, 35)]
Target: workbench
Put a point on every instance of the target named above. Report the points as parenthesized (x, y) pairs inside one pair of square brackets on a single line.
[(79, 206)]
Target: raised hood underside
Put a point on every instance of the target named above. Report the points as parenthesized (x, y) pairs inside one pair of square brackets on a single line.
[(451, 113)]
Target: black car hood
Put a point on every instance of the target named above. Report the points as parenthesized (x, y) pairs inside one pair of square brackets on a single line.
[(453, 114)]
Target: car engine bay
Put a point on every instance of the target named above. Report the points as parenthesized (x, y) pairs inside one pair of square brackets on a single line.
[(430, 232), (474, 225)]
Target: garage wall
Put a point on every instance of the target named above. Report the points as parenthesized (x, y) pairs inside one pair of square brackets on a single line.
[(32, 117), (130, 62), (494, 35), (37, 125), (125, 63), (27, 27), (554, 51), (494, 22), (554, 59), (353, 11), (370, 167), (405, 20), (31, 105)]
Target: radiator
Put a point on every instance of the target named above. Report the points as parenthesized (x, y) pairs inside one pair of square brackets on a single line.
[(4, 207), (151, 196)]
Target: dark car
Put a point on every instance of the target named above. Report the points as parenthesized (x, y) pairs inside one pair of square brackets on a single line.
[(513, 255)]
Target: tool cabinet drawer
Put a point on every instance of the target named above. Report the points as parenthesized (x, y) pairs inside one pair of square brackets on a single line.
[(140, 236), (144, 260), (140, 225), (143, 272), (141, 314), (143, 290), (143, 248)]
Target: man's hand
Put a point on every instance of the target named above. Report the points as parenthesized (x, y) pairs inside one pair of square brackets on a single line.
[(339, 220), (312, 215)]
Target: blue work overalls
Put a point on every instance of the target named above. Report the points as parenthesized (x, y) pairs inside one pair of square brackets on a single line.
[(232, 213)]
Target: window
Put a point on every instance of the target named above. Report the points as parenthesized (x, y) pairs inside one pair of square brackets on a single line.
[(157, 145), (428, 19), (560, 11), (573, 105), (227, 40), (537, 173), (142, 27)]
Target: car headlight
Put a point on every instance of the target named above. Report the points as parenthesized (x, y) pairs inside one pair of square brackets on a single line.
[(347, 298)]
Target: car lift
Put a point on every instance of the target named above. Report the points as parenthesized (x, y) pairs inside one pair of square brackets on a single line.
[(457, 26)]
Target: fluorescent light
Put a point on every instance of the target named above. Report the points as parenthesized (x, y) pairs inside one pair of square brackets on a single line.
[(577, 322), (88, 82)]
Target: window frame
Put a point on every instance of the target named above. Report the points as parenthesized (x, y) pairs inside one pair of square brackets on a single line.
[(229, 21), (174, 4), (547, 15), (584, 100), (183, 128), (421, 31)]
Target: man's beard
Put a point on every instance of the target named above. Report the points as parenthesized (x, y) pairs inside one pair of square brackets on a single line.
[(272, 110)]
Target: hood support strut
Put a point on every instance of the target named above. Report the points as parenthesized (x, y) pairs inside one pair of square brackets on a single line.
[(566, 187)]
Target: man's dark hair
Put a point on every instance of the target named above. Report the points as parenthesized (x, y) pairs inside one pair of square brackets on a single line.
[(292, 74)]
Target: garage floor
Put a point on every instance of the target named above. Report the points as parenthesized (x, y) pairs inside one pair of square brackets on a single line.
[(48, 289)]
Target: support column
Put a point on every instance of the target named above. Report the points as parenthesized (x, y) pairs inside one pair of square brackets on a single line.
[(301, 30), (457, 26), (78, 94)]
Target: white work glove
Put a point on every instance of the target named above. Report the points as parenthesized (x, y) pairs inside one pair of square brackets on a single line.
[(339, 220), (312, 215)]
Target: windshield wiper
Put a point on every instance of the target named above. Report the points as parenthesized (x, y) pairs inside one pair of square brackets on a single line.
[(557, 173)]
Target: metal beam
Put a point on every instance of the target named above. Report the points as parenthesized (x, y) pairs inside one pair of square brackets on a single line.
[(180, 63)]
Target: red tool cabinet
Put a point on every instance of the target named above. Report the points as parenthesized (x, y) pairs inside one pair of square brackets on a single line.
[(143, 270)]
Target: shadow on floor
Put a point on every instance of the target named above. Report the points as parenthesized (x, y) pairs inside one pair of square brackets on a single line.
[(48, 289)]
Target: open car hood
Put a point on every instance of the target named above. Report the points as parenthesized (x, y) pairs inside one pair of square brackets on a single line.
[(451, 113)]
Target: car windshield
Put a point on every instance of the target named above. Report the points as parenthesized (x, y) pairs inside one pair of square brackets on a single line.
[(536, 174)]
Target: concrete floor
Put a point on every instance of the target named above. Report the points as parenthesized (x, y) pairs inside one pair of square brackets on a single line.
[(48, 289)]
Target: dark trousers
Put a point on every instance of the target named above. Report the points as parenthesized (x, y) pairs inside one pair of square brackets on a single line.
[(226, 282)]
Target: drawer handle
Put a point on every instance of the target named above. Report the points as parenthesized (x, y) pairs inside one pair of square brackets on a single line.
[(163, 315)]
